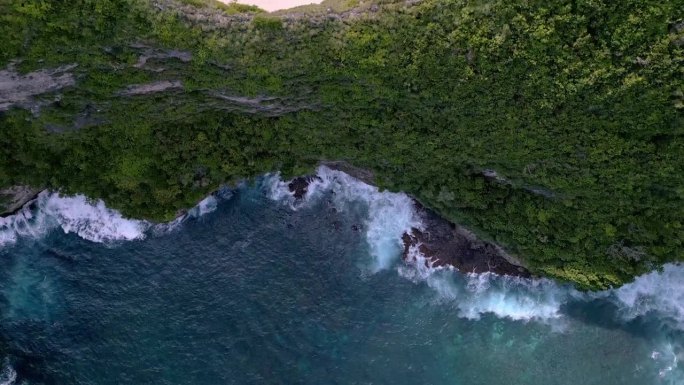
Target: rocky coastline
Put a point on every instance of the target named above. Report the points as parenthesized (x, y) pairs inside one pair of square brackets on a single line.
[(441, 243)]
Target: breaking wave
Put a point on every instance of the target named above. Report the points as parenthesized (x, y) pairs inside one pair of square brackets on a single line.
[(474, 295), (89, 219), (389, 215), (659, 294)]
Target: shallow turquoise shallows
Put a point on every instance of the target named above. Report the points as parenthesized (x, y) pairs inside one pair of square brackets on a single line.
[(253, 288)]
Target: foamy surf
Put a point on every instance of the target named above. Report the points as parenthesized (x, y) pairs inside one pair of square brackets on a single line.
[(659, 293), (205, 206), (475, 295), (8, 376), (389, 215), (89, 219)]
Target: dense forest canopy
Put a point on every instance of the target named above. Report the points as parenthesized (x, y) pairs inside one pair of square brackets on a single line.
[(553, 127)]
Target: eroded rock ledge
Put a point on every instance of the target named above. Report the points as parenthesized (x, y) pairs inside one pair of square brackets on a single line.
[(444, 243)]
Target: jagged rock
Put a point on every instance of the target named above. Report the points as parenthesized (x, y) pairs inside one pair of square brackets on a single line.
[(443, 243), (15, 197), (299, 186)]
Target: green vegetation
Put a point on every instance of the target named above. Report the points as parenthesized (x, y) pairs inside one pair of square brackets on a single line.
[(230, 8), (576, 104)]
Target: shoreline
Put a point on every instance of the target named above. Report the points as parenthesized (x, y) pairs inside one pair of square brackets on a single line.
[(440, 243)]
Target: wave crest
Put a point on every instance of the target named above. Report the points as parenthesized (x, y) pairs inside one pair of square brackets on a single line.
[(516, 298), (90, 220), (389, 215), (660, 293)]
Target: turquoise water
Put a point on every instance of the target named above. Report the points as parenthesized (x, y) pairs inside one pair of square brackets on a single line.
[(254, 288)]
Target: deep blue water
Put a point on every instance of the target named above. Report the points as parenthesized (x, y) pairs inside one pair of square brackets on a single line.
[(260, 292)]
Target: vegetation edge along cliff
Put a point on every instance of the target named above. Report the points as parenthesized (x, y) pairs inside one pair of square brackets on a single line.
[(554, 127)]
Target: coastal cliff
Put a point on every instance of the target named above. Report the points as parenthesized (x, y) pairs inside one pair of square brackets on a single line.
[(553, 128)]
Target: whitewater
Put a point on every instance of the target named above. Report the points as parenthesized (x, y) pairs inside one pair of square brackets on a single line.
[(656, 298)]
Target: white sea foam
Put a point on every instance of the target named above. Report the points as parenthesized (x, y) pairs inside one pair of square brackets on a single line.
[(390, 215), (90, 220), (656, 294), (477, 294), (205, 206), (8, 376), (278, 189), (660, 293)]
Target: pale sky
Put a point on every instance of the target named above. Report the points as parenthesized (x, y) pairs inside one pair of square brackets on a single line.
[(274, 5)]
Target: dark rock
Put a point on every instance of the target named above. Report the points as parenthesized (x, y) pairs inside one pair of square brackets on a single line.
[(443, 243), (299, 186)]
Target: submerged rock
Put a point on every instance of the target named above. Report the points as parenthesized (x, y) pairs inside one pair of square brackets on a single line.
[(444, 243)]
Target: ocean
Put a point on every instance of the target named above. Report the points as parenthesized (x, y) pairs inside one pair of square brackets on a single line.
[(255, 287)]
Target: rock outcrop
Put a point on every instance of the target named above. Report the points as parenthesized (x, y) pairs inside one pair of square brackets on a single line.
[(21, 90), (443, 243), (15, 197), (300, 185)]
